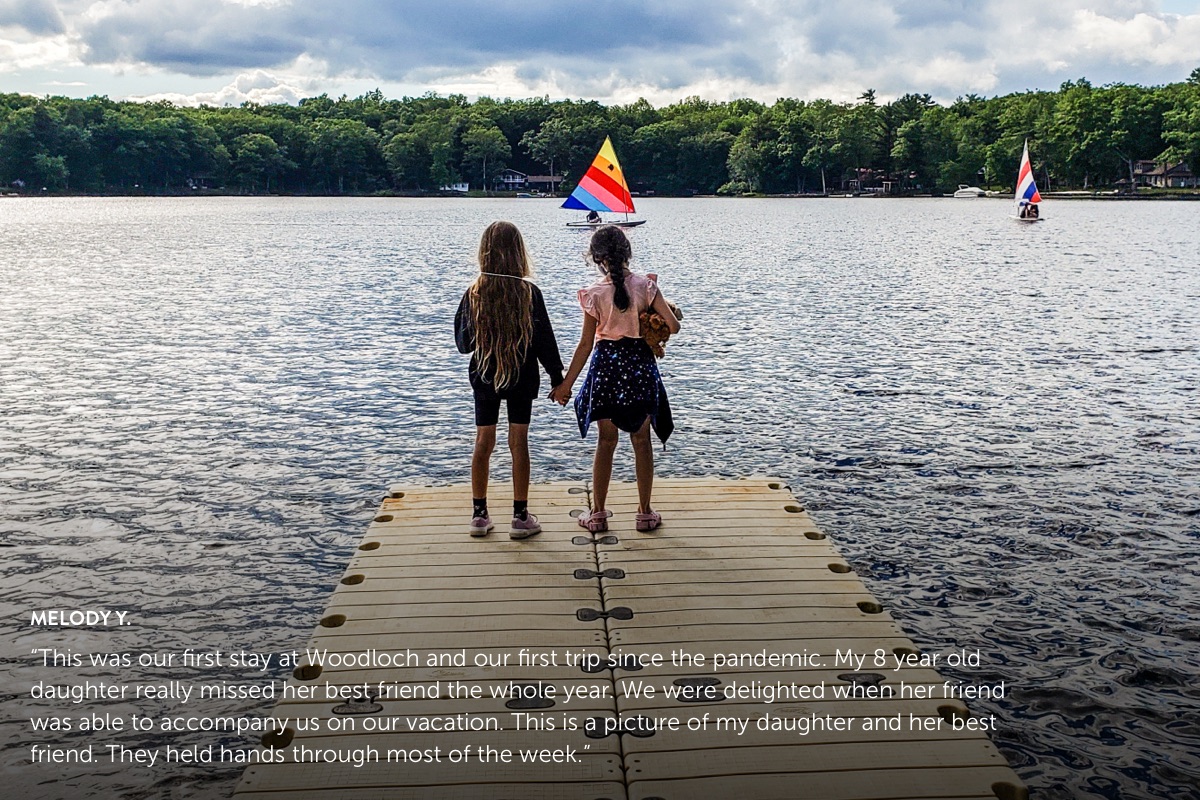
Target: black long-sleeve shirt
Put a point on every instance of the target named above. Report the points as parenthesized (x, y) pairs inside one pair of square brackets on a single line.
[(542, 348)]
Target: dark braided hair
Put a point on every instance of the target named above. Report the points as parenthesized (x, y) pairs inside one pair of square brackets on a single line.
[(610, 252)]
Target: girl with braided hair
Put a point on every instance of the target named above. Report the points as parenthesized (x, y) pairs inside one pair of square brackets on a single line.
[(623, 390), (502, 321)]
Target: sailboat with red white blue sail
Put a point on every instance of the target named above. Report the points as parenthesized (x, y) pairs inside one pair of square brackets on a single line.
[(603, 188), (1027, 197)]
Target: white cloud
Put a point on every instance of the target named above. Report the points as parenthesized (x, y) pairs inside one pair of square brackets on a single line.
[(1141, 39), (498, 80), (986, 48), (29, 53), (257, 86)]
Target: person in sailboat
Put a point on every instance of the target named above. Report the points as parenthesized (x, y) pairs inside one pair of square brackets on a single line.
[(1031, 211), (623, 390), (593, 217), (502, 321)]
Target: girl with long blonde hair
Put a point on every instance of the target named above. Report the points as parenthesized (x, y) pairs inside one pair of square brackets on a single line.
[(502, 321)]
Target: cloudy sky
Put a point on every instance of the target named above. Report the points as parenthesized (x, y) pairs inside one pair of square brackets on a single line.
[(230, 51)]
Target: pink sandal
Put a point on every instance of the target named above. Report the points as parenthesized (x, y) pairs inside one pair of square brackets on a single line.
[(595, 521), (649, 521)]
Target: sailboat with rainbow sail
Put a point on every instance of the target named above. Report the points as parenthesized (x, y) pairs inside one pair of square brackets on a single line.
[(603, 188), (1027, 197)]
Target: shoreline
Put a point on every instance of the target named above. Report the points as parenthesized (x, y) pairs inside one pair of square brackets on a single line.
[(1182, 196)]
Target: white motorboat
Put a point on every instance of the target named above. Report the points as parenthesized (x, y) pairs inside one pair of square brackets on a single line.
[(969, 191)]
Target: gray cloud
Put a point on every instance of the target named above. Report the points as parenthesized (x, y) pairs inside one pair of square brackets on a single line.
[(39, 17), (392, 39), (796, 47), (941, 13), (193, 38)]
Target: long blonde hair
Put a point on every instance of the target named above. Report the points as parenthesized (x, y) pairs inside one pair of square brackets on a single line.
[(502, 303)]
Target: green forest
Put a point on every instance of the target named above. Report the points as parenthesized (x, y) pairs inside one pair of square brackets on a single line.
[(1080, 136)]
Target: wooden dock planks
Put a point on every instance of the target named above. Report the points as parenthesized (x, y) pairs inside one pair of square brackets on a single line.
[(738, 567), (419, 583)]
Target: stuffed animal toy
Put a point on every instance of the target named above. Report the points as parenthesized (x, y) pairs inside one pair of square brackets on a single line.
[(654, 329)]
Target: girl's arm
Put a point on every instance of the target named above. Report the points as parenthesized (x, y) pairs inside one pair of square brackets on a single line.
[(545, 346), (587, 340), (663, 310), (464, 326)]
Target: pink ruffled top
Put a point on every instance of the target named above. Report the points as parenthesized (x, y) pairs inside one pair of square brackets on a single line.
[(612, 323)]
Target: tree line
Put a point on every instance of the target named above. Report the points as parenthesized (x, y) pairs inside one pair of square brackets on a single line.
[(1080, 136)]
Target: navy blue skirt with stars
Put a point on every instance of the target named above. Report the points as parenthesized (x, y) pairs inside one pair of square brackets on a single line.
[(623, 385)]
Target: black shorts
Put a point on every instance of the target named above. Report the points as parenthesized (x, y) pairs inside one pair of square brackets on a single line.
[(487, 406)]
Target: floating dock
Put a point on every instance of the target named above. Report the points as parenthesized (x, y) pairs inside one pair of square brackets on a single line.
[(737, 568)]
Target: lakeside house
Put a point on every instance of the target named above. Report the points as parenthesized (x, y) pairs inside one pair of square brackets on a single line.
[(510, 180), (868, 181), (1172, 176), (1151, 174), (1141, 173), (544, 183)]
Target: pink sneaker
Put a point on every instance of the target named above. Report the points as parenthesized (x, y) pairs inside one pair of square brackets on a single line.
[(524, 528), (480, 526)]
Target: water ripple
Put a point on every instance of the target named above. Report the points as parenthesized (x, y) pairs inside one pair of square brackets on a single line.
[(203, 400)]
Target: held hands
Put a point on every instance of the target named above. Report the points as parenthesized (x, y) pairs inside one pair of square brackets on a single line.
[(561, 393)]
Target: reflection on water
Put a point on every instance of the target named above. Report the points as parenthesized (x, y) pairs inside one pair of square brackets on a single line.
[(204, 399)]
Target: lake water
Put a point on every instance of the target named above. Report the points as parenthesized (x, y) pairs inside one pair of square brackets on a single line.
[(203, 400)]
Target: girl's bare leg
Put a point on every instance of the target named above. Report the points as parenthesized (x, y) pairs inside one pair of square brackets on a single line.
[(518, 445), (603, 461), (643, 459), (485, 443)]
